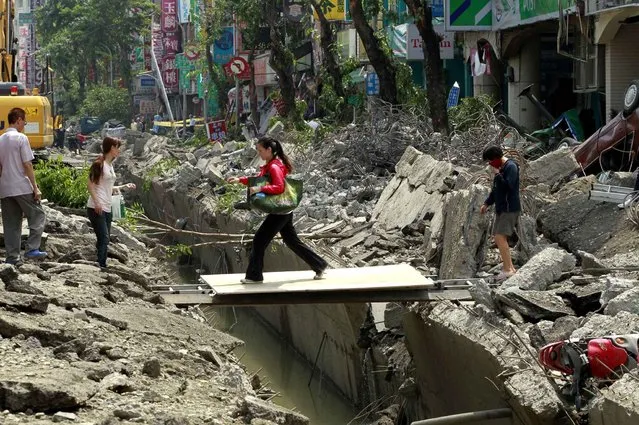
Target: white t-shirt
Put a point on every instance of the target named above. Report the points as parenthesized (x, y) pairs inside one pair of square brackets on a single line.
[(104, 188), (14, 152)]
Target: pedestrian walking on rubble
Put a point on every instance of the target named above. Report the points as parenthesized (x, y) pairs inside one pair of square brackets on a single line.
[(101, 189), (19, 193), (505, 196), (277, 167)]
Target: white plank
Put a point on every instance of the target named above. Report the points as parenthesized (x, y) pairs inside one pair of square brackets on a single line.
[(393, 277)]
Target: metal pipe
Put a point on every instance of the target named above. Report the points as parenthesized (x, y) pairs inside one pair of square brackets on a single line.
[(465, 418)]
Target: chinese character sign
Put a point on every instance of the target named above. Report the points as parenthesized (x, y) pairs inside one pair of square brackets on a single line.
[(169, 72), (169, 15), (171, 44), (372, 84), (216, 130), (223, 48)]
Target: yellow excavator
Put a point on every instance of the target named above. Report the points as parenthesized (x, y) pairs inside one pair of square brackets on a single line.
[(13, 94)]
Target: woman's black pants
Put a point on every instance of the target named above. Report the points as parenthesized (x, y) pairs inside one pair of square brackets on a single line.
[(282, 224)]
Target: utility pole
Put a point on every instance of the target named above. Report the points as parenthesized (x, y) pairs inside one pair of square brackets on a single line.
[(156, 68), (184, 105)]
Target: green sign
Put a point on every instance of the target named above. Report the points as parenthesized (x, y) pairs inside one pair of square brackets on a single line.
[(467, 15), (25, 18), (531, 9)]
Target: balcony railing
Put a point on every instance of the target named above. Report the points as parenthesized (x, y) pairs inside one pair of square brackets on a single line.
[(595, 6)]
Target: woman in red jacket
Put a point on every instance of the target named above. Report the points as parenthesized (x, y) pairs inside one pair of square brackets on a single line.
[(277, 167)]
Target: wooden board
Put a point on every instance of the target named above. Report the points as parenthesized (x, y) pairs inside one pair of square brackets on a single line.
[(379, 278)]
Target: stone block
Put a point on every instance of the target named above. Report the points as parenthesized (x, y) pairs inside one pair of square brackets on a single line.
[(618, 404), (465, 232), (552, 167), (534, 305), (542, 270)]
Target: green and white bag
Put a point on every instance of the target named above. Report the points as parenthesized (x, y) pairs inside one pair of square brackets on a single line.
[(283, 203)]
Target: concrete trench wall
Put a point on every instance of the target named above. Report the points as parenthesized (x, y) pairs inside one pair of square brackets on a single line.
[(464, 362), (302, 326)]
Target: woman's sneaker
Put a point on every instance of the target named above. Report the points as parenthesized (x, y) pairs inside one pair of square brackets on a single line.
[(319, 275), (244, 281)]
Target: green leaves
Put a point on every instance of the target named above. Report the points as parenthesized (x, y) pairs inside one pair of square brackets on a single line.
[(64, 185), (107, 103), (78, 33)]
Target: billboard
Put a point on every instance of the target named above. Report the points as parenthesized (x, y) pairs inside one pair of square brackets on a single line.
[(466, 15)]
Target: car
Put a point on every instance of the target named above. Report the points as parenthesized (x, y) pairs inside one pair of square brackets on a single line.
[(615, 146)]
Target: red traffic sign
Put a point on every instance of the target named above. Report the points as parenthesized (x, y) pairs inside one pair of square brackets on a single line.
[(238, 67)]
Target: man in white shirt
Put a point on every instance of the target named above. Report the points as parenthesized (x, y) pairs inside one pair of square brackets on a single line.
[(19, 193)]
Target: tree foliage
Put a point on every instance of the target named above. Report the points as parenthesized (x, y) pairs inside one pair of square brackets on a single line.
[(79, 34), (107, 103)]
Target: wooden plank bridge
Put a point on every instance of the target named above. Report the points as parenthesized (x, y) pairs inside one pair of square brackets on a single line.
[(348, 285)]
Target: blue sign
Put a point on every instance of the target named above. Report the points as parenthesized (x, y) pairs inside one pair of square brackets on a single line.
[(224, 46), (372, 84), (147, 82), (437, 8), (453, 96)]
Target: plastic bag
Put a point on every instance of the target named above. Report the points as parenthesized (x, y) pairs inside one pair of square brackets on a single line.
[(283, 203), (118, 210)]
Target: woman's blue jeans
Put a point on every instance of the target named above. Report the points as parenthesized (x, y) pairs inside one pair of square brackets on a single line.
[(102, 227)]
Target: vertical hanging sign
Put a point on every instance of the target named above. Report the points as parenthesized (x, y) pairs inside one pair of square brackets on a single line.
[(184, 11), (169, 11)]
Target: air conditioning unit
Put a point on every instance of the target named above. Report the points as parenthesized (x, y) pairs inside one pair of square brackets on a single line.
[(588, 74)]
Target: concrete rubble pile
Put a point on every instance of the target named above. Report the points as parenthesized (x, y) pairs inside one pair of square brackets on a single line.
[(85, 346), (426, 213)]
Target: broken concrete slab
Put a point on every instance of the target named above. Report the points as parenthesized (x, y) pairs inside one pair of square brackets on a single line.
[(578, 223), (534, 305), (163, 322), (584, 298), (42, 388), (616, 286), (8, 273), (23, 285), (187, 176), (24, 302), (465, 233), (545, 331), (214, 175), (627, 301), (599, 325), (541, 270), (552, 167), (527, 233), (255, 408), (591, 264), (618, 404), (462, 331), (416, 191), (483, 294)]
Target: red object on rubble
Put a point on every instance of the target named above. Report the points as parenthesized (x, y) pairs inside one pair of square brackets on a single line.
[(602, 355)]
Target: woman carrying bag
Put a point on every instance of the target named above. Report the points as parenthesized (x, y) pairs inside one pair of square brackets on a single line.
[(101, 189), (276, 168)]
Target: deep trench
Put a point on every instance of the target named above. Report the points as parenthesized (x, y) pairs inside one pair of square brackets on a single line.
[(447, 375)]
